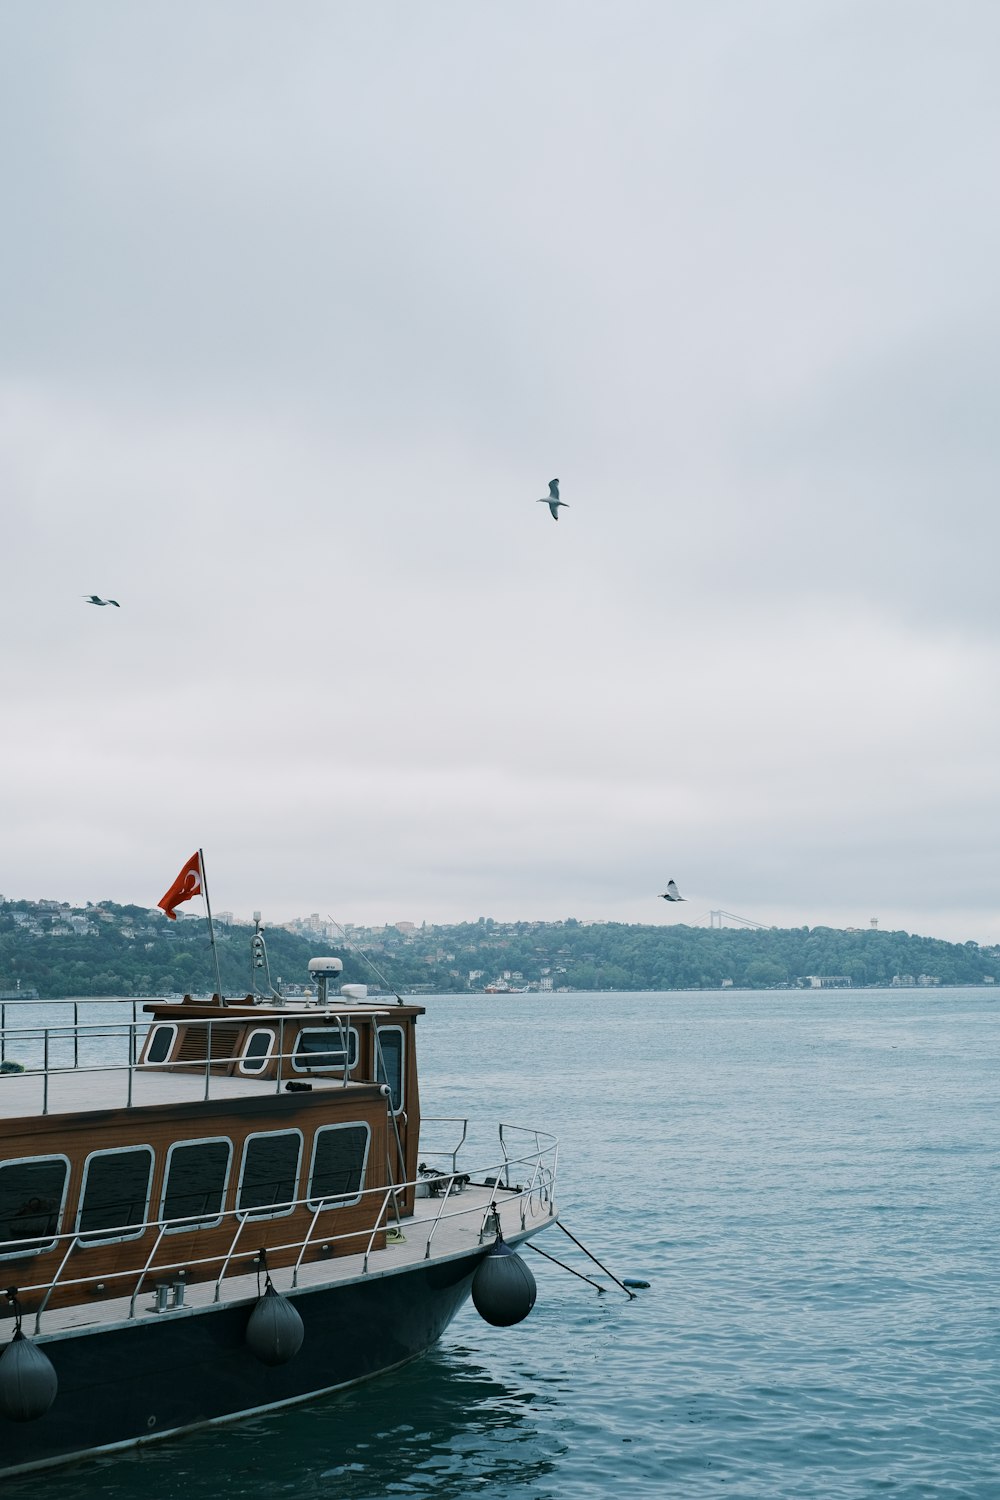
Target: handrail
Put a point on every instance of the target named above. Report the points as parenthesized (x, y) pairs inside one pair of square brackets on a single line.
[(131, 1035), (142, 1274), (447, 1120), (242, 1216), (438, 1216), (541, 1180), (305, 1242), (371, 1239), (52, 1284), (72, 1237)]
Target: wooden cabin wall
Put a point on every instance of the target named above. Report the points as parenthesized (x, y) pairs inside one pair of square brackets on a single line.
[(117, 1264)]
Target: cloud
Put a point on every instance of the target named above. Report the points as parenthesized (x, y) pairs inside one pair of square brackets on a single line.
[(304, 311)]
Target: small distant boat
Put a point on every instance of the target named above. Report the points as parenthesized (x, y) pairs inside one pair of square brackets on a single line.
[(219, 1208)]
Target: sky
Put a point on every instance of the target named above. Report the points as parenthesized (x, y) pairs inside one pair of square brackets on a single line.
[(301, 308)]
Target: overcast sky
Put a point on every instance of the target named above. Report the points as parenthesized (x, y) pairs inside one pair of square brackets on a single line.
[(302, 305)]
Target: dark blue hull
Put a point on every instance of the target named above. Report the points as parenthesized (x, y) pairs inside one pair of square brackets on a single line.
[(132, 1382)]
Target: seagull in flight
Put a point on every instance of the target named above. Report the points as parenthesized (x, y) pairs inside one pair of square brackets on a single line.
[(671, 893), (552, 499), (93, 599)]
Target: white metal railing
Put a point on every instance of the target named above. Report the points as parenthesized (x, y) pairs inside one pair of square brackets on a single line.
[(453, 1152), (67, 1027), (538, 1166), (41, 1042)]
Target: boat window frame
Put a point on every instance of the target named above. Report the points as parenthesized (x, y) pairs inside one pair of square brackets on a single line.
[(339, 1201), (192, 1226), (163, 1062), (264, 1212), (86, 1238), (43, 1243), (353, 1051), (270, 1033), (402, 1030)]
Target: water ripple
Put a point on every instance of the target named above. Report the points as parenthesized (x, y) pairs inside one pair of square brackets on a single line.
[(810, 1188)]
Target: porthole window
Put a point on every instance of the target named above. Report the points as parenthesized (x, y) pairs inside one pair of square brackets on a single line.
[(257, 1051), (390, 1063), (195, 1185), (32, 1194), (325, 1049), (160, 1044), (270, 1172), (115, 1199), (340, 1154)]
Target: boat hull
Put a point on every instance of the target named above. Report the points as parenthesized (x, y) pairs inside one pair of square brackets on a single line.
[(139, 1381)]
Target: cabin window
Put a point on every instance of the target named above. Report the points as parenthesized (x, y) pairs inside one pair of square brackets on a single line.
[(338, 1165), (257, 1051), (390, 1067), (115, 1198), (32, 1193), (321, 1049), (160, 1044), (270, 1172), (195, 1189)]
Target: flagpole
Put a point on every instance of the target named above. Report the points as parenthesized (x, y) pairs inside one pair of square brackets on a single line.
[(211, 929)]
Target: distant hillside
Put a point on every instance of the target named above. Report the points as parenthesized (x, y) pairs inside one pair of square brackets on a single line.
[(126, 950), (105, 949)]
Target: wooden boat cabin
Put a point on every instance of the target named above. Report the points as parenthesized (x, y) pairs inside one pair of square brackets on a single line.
[(232, 1137)]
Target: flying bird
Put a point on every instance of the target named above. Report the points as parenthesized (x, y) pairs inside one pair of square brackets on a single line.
[(552, 499), (93, 599), (671, 893)]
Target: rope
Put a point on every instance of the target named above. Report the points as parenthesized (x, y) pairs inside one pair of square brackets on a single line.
[(371, 964), (564, 1266), (614, 1278)]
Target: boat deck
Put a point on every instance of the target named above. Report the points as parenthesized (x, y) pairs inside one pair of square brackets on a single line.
[(451, 1227), (70, 1091)]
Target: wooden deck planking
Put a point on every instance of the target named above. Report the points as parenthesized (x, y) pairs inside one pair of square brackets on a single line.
[(22, 1095)]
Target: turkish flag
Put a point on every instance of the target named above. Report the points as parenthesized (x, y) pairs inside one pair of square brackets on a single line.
[(188, 883)]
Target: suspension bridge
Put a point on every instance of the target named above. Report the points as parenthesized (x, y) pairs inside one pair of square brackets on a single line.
[(726, 919)]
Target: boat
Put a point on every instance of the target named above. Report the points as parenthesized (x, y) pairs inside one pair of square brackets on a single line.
[(211, 1208)]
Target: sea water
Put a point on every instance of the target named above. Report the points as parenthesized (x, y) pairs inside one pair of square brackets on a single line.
[(808, 1182)]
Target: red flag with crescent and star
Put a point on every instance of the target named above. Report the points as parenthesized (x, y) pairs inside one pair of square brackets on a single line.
[(188, 883)]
